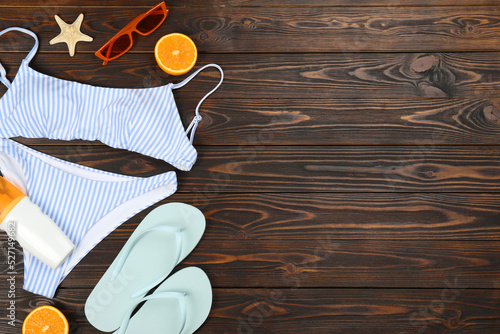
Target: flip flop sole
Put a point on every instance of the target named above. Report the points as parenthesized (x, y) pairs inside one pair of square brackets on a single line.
[(164, 316), (150, 261)]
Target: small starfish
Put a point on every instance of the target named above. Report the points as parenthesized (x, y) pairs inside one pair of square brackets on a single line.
[(70, 34)]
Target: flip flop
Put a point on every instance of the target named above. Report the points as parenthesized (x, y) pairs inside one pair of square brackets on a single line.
[(162, 240), (180, 305)]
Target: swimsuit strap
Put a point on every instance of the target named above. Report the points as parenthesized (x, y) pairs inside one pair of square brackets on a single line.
[(197, 118), (3, 73)]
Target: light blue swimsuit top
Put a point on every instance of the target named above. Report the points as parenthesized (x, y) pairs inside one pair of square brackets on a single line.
[(141, 120)]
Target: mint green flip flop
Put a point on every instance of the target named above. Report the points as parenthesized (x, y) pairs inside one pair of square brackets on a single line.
[(180, 305), (162, 240)]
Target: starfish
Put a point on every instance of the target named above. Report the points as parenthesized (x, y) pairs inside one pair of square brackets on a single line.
[(70, 34)]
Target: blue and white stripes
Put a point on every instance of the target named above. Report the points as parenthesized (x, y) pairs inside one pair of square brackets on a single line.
[(141, 120), (86, 203)]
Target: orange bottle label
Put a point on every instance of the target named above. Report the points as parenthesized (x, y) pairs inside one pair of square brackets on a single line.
[(9, 197)]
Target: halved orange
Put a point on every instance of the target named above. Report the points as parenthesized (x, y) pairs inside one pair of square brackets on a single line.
[(45, 320), (176, 53)]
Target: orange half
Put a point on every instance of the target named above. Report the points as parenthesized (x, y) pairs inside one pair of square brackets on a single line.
[(176, 53), (45, 320)]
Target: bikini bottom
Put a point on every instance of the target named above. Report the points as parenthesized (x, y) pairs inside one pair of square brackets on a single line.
[(86, 203)]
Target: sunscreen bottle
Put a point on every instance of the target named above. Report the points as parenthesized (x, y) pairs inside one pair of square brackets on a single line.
[(35, 231)]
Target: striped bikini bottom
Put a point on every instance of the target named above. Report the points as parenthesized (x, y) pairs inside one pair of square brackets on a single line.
[(86, 203)]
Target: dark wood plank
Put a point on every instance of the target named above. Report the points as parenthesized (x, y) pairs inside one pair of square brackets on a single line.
[(285, 259), (46, 7), (450, 309), (294, 76), (350, 122), (54, 5), (341, 216), (344, 216), (318, 263), (262, 168), (358, 169), (335, 3), (304, 263), (453, 309), (324, 262), (343, 122), (347, 121), (284, 29)]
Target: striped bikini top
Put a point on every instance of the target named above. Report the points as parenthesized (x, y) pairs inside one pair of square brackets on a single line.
[(142, 120)]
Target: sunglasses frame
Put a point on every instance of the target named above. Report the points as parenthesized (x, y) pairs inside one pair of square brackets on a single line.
[(127, 30)]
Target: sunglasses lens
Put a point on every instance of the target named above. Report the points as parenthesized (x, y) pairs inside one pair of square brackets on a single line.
[(118, 47), (143, 24), (151, 22)]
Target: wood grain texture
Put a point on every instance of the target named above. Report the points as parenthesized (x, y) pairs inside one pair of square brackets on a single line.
[(347, 121), (292, 76), (54, 6), (284, 29), (321, 263), (49, 5), (319, 169), (342, 122), (288, 216), (324, 262), (454, 309), (349, 166), (262, 168), (344, 216), (425, 168), (335, 3)]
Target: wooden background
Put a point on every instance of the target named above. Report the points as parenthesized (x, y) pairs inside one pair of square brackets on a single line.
[(349, 166)]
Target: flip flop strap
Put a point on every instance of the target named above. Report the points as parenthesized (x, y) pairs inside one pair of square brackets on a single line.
[(180, 296), (128, 248)]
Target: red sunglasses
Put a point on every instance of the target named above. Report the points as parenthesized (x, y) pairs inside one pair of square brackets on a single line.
[(143, 24)]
